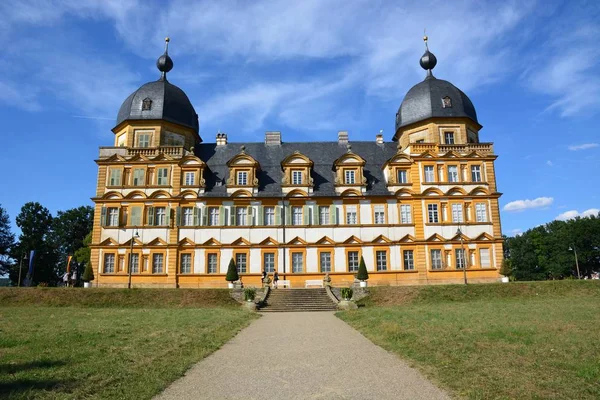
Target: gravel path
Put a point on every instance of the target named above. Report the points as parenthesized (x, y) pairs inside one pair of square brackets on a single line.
[(301, 356)]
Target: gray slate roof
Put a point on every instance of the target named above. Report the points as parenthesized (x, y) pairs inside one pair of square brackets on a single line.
[(169, 103), (424, 100), (323, 155)]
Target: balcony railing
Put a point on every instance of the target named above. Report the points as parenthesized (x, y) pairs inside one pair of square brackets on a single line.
[(482, 148), (173, 151)]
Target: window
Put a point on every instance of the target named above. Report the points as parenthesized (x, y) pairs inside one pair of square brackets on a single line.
[(324, 215), (297, 262), (460, 258), (381, 260), (240, 216), (457, 213), (213, 216), (379, 214), (476, 173), (296, 215), (296, 177), (436, 259), (484, 257), (109, 263), (136, 216), (452, 173), (160, 216), (351, 215), (190, 178), (349, 176), (146, 104), (188, 216), (186, 264), (240, 261), (409, 260), (115, 177), (402, 176), (269, 262), (138, 177), (432, 211), (157, 263), (480, 212), (325, 261), (162, 178), (143, 140), (269, 215), (242, 178), (211, 260), (353, 261), (113, 217), (449, 137), (405, 214), (429, 173), (135, 263)]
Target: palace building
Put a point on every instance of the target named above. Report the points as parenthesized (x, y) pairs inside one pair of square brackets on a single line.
[(173, 209)]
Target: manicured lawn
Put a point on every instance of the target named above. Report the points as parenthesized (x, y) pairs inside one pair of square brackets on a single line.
[(533, 341), (118, 353)]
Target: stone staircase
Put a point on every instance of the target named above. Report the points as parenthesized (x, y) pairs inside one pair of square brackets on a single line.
[(282, 300)]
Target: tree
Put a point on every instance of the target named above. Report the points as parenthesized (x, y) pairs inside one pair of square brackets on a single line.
[(88, 273), (35, 222), (82, 254), (7, 241), (69, 230), (232, 272), (362, 274)]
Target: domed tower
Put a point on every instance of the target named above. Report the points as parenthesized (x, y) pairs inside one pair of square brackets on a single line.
[(157, 114), (436, 111)]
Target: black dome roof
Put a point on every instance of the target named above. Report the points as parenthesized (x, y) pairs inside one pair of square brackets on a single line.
[(160, 100), (169, 103), (433, 98)]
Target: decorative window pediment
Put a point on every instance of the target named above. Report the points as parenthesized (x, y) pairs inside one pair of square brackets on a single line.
[(297, 172), (397, 170), (349, 172), (243, 172)]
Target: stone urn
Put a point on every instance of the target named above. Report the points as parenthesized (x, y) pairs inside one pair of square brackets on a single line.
[(250, 305), (363, 284), (347, 305), (230, 285)]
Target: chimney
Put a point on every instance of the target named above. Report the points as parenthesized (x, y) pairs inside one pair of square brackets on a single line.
[(343, 137), (272, 138), (379, 138), (221, 139)]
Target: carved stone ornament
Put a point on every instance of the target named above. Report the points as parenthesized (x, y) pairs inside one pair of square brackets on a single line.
[(447, 102)]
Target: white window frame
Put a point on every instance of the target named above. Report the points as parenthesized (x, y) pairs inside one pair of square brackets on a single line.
[(134, 260), (162, 176), (448, 134), (488, 263), (379, 214), (187, 216), (350, 176), (115, 177), (241, 262), (460, 259), (433, 214), (190, 178), (143, 139), (325, 262), (351, 215), (457, 213), (213, 216), (405, 214), (160, 216), (476, 173), (353, 261), (402, 176), (296, 215), (186, 263), (158, 260), (429, 172), (324, 215), (436, 259), (481, 212), (241, 216), (212, 266), (409, 260), (242, 178), (112, 216), (269, 219), (269, 262), (452, 173), (381, 260), (297, 262), (297, 177), (137, 179), (109, 263)]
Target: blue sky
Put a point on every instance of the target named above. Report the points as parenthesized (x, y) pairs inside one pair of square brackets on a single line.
[(308, 69)]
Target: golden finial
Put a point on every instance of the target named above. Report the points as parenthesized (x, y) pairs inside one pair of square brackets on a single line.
[(425, 38), (167, 39)]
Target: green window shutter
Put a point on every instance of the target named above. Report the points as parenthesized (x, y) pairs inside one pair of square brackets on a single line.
[(136, 214), (196, 216), (306, 215), (288, 215), (178, 216), (332, 214), (168, 215), (221, 215), (103, 217), (204, 213), (315, 220), (232, 216), (150, 216), (250, 216), (278, 215), (260, 218)]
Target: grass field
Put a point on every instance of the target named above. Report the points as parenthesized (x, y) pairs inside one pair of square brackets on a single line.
[(510, 341), (110, 345)]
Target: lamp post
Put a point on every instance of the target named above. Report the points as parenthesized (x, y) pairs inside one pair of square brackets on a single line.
[(134, 235), (462, 247), (574, 250), (283, 216), (23, 258)]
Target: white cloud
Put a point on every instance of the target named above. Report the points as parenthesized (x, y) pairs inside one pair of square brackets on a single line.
[(584, 146), (516, 232), (520, 205), (574, 213), (549, 163)]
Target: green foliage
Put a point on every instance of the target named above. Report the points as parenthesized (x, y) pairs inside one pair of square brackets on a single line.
[(249, 294), (88, 274), (7, 241), (69, 231), (543, 252), (232, 272), (506, 268), (35, 222), (346, 293), (362, 274), (82, 254)]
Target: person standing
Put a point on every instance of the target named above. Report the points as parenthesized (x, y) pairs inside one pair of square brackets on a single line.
[(275, 279)]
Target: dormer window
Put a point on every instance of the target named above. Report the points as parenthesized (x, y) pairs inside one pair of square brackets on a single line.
[(350, 177), (146, 104), (449, 137), (446, 102), (349, 174), (296, 177), (242, 178)]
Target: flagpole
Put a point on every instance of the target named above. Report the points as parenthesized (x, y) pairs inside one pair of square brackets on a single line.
[(21, 269)]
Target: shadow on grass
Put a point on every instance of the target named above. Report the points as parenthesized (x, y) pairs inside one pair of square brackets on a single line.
[(20, 387), (13, 368)]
